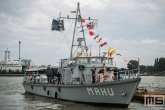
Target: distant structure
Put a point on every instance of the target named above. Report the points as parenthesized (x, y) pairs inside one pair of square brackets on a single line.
[(27, 62), (19, 50), (7, 64), (7, 55)]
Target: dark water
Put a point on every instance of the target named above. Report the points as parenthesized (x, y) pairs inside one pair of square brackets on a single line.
[(13, 97)]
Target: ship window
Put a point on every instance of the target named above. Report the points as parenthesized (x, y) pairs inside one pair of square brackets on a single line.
[(81, 61), (95, 60), (86, 60)]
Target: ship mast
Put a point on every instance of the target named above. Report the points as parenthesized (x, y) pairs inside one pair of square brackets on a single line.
[(78, 17)]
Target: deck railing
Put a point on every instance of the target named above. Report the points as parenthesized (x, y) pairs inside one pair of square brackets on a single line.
[(110, 77)]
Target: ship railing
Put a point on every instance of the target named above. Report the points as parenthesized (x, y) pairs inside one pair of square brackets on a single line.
[(128, 74), (119, 76), (67, 81), (70, 81), (40, 80), (36, 80)]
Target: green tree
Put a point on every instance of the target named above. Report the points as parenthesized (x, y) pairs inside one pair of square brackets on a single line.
[(133, 66), (122, 69), (160, 64), (163, 64), (156, 65), (10, 71), (3, 72), (143, 68), (17, 71), (150, 69)]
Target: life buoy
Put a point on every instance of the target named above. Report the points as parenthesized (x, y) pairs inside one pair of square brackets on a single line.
[(106, 75)]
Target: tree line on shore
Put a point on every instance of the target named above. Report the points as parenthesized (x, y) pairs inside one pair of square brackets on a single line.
[(10, 72), (54, 71), (159, 66)]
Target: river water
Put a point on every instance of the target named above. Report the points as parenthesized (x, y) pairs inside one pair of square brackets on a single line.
[(13, 97)]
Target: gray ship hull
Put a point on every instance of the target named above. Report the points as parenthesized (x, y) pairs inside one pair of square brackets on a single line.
[(119, 92)]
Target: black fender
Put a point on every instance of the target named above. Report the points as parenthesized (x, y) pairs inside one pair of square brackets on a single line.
[(48, 92), (31, 86), (44, 88), (55, 95)]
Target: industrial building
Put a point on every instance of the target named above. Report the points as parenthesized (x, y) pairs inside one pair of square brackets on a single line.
[(7, 64), (16, 65)]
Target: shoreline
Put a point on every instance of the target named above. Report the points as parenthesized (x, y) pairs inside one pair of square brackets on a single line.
[(41, 74), (152, 75), (11, 75), (17, 75)]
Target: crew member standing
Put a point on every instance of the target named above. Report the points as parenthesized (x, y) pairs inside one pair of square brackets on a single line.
[(49, 74), (101, 74), (59, 78), (93, 74), (117, 74)]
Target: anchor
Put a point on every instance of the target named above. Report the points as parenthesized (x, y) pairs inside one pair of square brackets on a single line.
[(123, 93)]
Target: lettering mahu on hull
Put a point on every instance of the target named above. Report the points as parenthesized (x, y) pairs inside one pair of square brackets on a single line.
[(100, 91)]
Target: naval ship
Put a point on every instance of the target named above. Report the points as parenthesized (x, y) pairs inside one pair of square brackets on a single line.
[(76, 81)]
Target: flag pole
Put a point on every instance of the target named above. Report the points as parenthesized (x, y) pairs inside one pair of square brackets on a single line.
[(90, 49), (83, 31), (71, 56), (99, 50)]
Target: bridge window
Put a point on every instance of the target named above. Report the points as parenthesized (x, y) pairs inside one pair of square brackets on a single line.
[(95, 60), (84, 60), (109, 61)]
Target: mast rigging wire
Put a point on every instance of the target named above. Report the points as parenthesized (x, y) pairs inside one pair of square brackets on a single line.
[(59, 44)]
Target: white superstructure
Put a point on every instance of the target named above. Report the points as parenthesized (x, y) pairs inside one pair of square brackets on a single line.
[(7, 64)]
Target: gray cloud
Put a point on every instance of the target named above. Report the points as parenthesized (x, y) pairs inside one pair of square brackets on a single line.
[(133, 28)]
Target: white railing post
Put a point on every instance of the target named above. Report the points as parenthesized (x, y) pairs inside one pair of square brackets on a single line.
[(117, 76), (110, 77), (128, 74), (125, 74)]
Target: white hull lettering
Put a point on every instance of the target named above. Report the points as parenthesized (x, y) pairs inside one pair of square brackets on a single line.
[(97, 91), (100, 91), (110, 93), (103, 91), (90, 90)]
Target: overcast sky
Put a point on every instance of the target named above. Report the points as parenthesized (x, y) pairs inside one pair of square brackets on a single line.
[(134, 28)]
